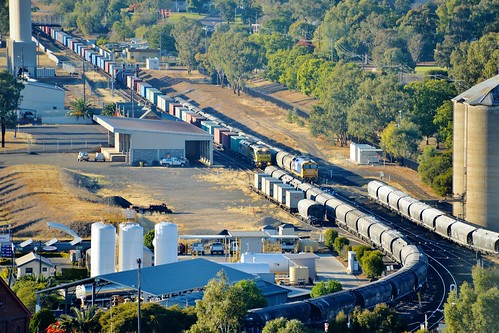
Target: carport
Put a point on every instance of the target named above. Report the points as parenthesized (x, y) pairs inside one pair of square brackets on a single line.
[(148, 141)]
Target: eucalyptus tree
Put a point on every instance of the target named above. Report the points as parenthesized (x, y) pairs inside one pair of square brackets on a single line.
[(10, 98), (188, 34)]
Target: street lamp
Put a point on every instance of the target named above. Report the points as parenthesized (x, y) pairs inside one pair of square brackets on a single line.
[(139, 262)]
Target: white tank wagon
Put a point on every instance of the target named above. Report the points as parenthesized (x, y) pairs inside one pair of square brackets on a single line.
[(130, 246), (311, 210), (458, 231), (165, 243), (103, 249)]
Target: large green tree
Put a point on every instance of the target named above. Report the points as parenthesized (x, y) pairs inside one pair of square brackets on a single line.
[(154, 318), (159, 36), (10, 98), (426, 97), (435, 169), (474, 309), (401, 140), (224, 305), (188, 34)]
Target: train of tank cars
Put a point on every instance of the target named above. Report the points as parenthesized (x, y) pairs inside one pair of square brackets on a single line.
[(255, 150), (394, 287)]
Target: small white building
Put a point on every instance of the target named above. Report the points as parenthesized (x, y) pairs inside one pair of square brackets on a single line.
[(364, 154), (152, 63), (34, 264)]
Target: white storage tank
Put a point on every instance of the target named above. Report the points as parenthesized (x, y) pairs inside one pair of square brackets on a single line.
[(130, 246), (278, 263), (298, 275), (165, 243), (103, 249)]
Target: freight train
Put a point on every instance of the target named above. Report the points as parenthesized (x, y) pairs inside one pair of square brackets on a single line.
[(229, 138), (458, 231), (314, 312)]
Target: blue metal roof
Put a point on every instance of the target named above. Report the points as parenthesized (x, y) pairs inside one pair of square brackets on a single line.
[(175, 277)]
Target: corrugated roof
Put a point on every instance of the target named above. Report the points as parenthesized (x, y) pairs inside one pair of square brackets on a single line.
[(129, 125), (248, 234), (175, 277), (30, 257), (485, 93)]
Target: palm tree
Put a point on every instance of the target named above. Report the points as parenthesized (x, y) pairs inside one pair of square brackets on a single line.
[(80, 108), (84, 321)]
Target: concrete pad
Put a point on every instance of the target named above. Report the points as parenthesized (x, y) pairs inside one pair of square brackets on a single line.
[(329, 267)]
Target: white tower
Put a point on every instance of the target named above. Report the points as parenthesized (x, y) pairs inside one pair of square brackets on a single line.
[(21, 50)]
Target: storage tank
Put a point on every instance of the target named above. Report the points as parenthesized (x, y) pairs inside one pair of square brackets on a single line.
[(310, 209), (103, 249), (298, 275), (130, 246), (278, 263), (165, 243), (458, 157)]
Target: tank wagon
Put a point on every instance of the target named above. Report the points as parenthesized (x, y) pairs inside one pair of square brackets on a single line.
[(460, 232), (314, 312)]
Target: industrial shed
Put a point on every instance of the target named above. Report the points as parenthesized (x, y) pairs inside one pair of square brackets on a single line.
[(148, 141)]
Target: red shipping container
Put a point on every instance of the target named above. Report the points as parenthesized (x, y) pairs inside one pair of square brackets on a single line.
[(171, 108), (226, 139), (217, 134)]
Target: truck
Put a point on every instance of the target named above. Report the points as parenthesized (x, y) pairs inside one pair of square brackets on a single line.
[(216, 248), (174, 161), (197, 248)]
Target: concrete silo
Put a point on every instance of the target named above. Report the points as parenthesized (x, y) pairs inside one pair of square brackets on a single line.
[(476, 154), (21, 50)]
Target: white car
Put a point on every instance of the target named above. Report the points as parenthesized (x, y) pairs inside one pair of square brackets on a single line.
[(99, 157), (82, 156)]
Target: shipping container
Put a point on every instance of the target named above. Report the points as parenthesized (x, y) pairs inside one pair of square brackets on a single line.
[(292, 199), (234, 142), (152, 95), (217, 134), (197, 119), (226, 139), (172, 106)]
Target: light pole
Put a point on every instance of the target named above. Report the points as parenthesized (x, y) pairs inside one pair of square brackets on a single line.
[(139, 261)]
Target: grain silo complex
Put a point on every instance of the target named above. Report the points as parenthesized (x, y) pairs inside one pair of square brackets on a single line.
[(476, 154)]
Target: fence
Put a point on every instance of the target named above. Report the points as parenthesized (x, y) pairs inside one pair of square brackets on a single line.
[(55, 146)]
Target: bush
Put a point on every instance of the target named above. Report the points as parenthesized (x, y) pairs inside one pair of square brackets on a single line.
[(41, 320), (361, 250), (340, 243), (329, 238), (321, 288), (74, 273), (372, 264)]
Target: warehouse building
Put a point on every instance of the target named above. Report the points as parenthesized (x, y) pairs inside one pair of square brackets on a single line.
[(476, 154), (144, 141)]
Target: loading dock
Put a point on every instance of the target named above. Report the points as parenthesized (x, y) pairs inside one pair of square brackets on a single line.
[(147, 141)]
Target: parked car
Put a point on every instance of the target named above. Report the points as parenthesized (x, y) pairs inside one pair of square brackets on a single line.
[(216, 248), (197, 248), (83, 156), (174, 161), (99, 157)]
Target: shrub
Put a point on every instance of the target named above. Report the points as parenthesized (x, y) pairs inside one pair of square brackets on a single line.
[(329, 238)]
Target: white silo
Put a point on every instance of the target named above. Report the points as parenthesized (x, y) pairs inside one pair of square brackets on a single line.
[(165, 243), (103, 249), (130, 246)]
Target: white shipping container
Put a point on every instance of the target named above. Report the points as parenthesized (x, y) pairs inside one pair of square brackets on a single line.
[(293, 197), (45, 72), (258, 180), (280, 192), (268, 184)]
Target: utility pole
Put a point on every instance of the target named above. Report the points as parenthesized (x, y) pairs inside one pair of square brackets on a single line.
[(83, 76), (139, 261)]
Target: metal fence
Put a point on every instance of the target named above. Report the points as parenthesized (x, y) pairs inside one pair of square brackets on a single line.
[(55, 146)]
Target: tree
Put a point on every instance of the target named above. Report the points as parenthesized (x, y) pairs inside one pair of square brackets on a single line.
[(154, 318), (329, 237), (109, 109), (252, 296), (426, 97), (340, 243), (360, 250), (223, 306), (400, 140), (372, 264), (26, 288), (80, 108), (282, 325), (321, 288), (381, 319), (443, 122), (84, 320), (10, 98), (159, 36), (187, 34), (227, 9), (148, 238), (41, 320), (195, 6), (435, 169)]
